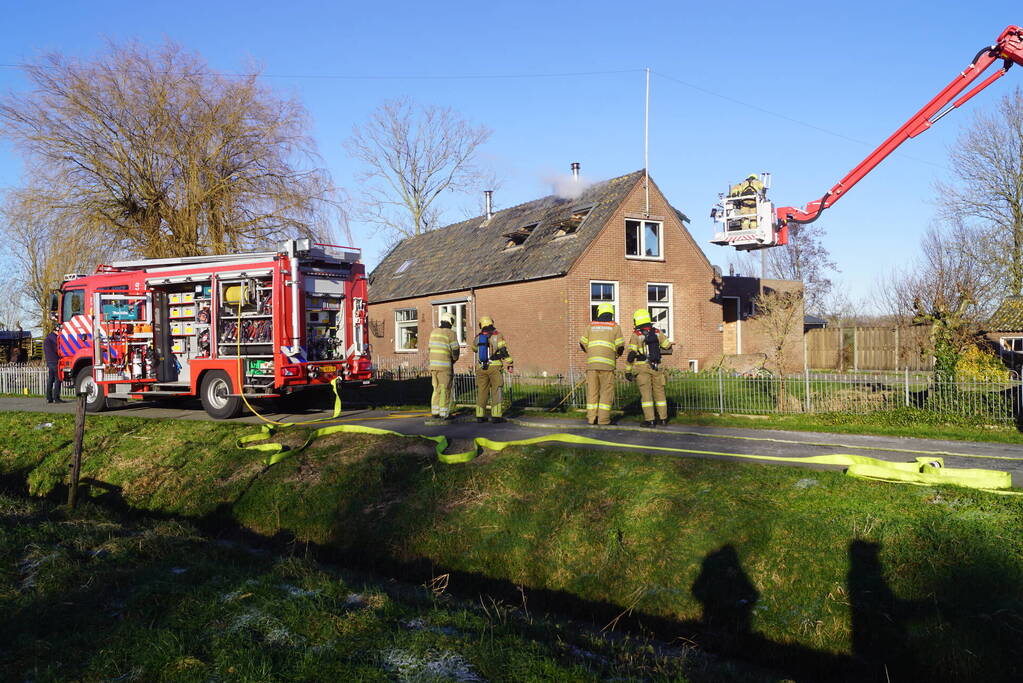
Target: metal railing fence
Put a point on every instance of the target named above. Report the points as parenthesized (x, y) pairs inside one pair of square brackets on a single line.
[(714, 392), (28, 380), (723, 392)]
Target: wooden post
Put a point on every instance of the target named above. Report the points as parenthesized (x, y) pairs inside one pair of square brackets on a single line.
[(76, 462)]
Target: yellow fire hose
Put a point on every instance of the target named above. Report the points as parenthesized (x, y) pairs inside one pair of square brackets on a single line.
[(923, 471)]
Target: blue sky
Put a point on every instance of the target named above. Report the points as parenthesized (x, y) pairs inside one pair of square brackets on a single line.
[(818, 86)]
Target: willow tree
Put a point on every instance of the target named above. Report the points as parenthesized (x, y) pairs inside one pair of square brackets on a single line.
[(162, 156)]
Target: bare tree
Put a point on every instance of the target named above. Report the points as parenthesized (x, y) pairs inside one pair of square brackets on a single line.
[(943, 277), (986, 197), (44, 245), (168, 158), (779, 319), (413, 155), (804, 258)]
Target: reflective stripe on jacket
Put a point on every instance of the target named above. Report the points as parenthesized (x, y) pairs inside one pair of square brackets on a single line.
[(603, 343), (443, 347), (637, 346)]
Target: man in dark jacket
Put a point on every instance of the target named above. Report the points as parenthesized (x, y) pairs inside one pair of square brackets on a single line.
[(52, 355)]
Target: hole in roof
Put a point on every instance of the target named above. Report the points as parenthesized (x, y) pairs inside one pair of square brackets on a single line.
[(518, 236), (403, 267), (570, 224)]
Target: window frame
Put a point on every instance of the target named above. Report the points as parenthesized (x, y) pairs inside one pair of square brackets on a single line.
[(401, 325), (596, 302), (641, 256), (405, 265), (66, 300), (694, 365), (1007, 346), (460, 327), (669, 304)]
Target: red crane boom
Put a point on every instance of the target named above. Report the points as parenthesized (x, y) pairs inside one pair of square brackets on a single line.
[(1008, 48)]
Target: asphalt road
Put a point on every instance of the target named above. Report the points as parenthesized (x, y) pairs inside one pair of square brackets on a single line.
[(710, 440)]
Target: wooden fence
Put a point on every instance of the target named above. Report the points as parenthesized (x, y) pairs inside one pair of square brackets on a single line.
[(868, 348)]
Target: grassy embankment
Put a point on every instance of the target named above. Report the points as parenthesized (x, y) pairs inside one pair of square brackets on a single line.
[(807, 572), (94, 595)]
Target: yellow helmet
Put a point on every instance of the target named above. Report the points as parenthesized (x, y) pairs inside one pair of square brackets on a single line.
[(641, 317), (485, 321), (447, 317), (752, 176), (605, 308)]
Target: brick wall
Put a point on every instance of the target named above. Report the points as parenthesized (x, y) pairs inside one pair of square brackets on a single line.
[(753, 339)]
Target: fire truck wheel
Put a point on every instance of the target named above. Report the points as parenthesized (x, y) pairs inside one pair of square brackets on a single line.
[(216, 398), (95, 401)]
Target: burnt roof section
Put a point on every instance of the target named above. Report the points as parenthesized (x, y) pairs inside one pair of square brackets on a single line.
[(1009, 316), (475, 253)]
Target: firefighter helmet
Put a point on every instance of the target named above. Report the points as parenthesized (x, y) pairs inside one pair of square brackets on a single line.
[(641, 317), (486, 321), (605, 308), (751, 176), (447, 317)]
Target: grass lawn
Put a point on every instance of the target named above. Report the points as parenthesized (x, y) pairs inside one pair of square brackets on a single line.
[(810, 573), (93, 595)]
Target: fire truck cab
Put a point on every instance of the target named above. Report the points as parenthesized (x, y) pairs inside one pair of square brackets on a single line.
[(258, 325)]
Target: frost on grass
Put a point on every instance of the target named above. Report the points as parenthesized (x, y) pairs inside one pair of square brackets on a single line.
[(420, 624), (265, 628), (36, 561), (296, 592), (432, 666)]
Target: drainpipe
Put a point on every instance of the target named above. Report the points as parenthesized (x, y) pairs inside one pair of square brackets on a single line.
[(488, 195)]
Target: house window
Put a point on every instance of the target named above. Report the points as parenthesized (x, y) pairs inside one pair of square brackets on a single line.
[(518, 236), (1014, 344), (600, 293), (403, 267), (694, 365), (643, 239), (570, 225), (406, 329), (658, 302), (457, 310)]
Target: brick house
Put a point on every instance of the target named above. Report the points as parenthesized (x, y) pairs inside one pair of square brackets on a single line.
[(1005, 331), (539, 270)]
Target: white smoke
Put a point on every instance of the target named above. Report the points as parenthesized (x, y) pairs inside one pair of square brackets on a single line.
[(566, 186)]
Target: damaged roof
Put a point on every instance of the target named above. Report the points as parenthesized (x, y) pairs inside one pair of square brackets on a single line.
[(1009, 316), (535, 240)]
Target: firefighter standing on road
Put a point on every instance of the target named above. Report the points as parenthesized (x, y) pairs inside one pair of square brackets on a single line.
[(603, 343), (643, 365), (492, 356), (443, 354)]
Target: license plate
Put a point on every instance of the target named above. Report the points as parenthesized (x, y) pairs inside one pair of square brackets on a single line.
[(328, 368)]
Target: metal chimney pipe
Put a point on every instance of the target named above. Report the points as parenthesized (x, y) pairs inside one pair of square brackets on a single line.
[(575, 171), (489, 196)]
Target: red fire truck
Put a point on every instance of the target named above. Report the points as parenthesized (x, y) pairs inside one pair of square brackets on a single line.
[(261, 325)]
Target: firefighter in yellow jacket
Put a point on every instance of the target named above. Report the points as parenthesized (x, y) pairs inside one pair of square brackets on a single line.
[(443, 354), (643, 364), (746, 207), (491, 357), (603, 343)]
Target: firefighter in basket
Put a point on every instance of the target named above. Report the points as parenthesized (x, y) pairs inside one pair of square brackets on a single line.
[(492, 356), (746, 207), (603, 343), (443, 354), (643, 365)]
